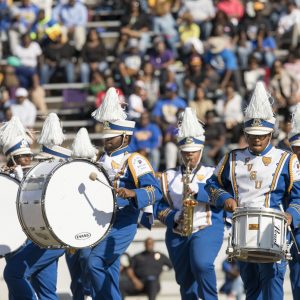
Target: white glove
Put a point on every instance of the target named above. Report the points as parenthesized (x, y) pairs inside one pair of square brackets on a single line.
[(18, 172), (177, 216), (194, 187)]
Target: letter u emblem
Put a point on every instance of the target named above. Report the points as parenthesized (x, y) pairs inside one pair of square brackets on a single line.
[(258, 184)]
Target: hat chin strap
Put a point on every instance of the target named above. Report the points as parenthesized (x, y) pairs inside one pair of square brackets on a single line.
[(122, 144)]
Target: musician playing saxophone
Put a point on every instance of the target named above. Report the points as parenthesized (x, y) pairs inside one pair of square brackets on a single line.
[(194, 231)]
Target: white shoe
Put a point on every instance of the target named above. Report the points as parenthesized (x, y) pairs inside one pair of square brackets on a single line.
[(88, 298)]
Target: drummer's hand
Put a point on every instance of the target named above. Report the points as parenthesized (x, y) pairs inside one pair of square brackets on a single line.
[(289, 218), (125, 193), (230, 205)]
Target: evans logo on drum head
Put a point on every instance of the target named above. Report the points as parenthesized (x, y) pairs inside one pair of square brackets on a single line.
[(82, 236)]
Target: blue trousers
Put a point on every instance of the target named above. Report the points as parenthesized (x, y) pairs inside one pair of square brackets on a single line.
[(295, 267), (31, 273), (80, 281), (193, 260), (263, 281), (104, 260)]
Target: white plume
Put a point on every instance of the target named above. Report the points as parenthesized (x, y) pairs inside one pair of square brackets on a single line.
[(82, 146), (259, 106), (11, 130), (52, 134), (296, 120), (190, 126), (110, 109)]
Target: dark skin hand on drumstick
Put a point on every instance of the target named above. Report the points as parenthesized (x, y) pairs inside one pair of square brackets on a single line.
[(125, 193)]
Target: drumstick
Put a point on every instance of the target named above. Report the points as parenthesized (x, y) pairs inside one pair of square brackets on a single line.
[(290, 230), (93, 176)]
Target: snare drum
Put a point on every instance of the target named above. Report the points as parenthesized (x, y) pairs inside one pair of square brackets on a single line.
[(60, 207), (259, 235), (11, 234)]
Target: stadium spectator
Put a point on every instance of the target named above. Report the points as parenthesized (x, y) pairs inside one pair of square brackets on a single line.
[(164, 23), (136, 100), (229, 109), (234, 9), (201, 105), (57, 57), (23, 17), (93, 55), (144, 272), (137, 24), (194, 77), (41, 26), (253, 74), (188, 29), (147, 139), (160, 56), (283, 86), (285, 126), (28, 53), (233, 286), (165, 110), (73, 15), (203, 11), (289, 25), (130, 65), (151, 81), (23, 108), (215, 139), (222, 60), (5, 16), (264, 47)]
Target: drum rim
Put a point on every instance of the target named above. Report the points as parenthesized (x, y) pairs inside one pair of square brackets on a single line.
[(20, 216), (241, 210), (60, 164), (18, 182), (10, 177)]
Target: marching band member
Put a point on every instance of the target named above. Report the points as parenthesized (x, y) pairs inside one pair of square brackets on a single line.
[(77, 260), (294, 140), (194, 250), (31, 272), (16, 147), (136, 187), (259, 176)]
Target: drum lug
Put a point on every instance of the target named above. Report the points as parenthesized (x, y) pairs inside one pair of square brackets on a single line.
[(287, 251), (229, 250)]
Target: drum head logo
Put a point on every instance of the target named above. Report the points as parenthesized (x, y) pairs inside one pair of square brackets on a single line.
[(82, 236)]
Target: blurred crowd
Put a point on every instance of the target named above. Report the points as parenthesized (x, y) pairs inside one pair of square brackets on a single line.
[(170, 54)]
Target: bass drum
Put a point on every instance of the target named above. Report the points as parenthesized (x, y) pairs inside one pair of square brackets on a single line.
[(11, 234), (60, 207)]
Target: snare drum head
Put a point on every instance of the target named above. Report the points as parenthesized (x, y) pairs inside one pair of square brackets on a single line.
[(79, 211), (11, 233)]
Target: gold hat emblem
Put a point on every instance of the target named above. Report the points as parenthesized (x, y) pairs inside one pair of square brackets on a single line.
[(200, 177), (189, 140), (256, 123), (266, 160), (106, 125)]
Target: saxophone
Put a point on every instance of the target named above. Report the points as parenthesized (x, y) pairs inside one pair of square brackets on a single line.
[(188, 204)]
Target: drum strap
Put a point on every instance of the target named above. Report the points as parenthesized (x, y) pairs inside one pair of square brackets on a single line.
[(275, 177), (121, 169)]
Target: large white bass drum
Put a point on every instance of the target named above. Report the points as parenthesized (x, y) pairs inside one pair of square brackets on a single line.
[(11, 234), (60, 207)]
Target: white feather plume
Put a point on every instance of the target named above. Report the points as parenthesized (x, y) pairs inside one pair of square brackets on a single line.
[(52, 134), (11, 130), (190, 126), (259, 106), (296, 120), (110, 109), (82, 146)]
